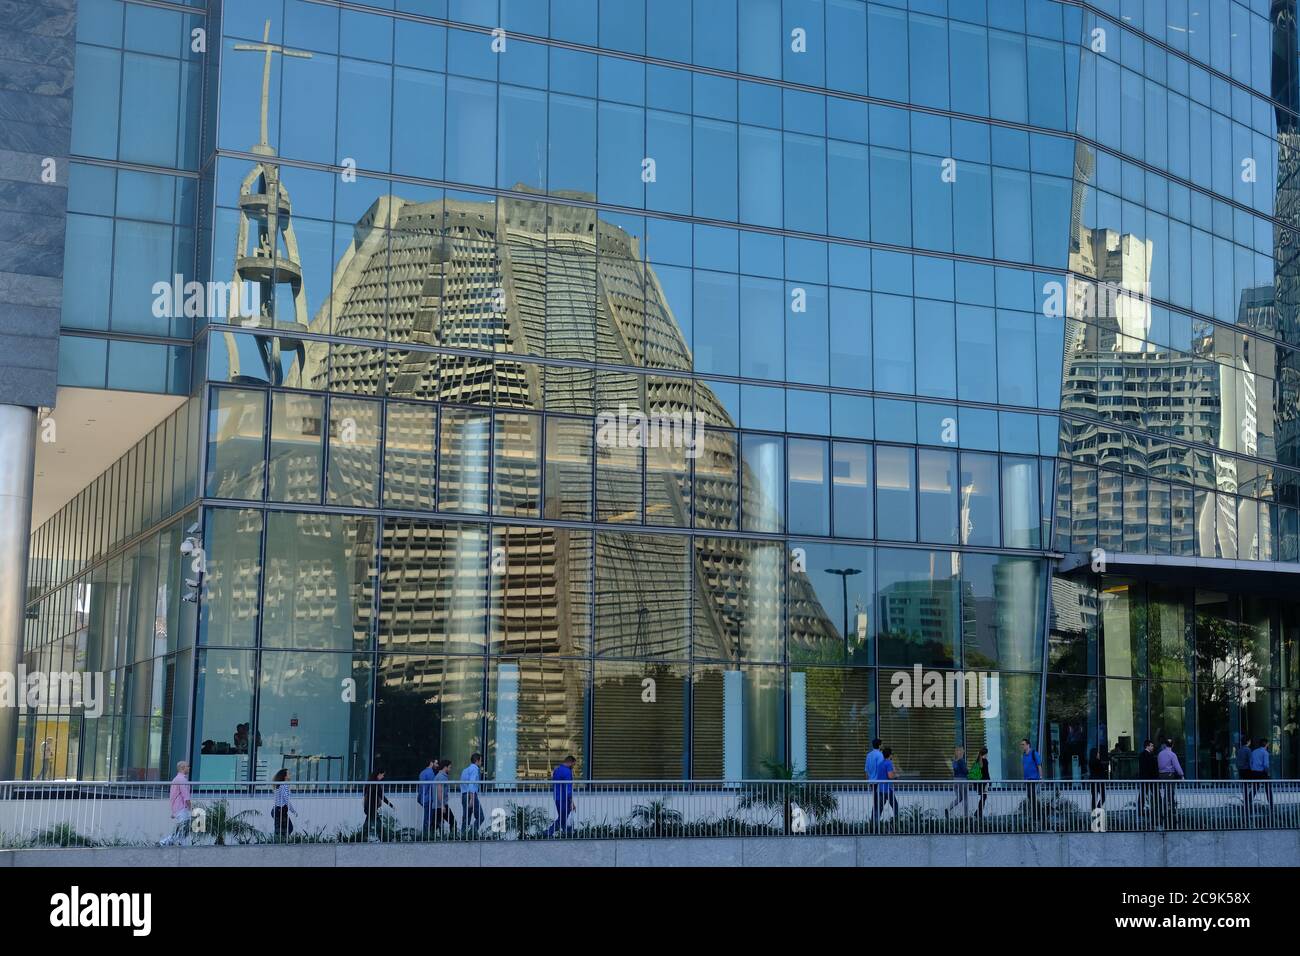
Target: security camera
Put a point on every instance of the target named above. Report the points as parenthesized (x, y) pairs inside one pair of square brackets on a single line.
[(187, 546), (193, 529), (191, 598), (191, 583)]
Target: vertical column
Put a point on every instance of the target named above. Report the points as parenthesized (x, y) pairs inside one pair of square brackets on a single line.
[(17, 461)]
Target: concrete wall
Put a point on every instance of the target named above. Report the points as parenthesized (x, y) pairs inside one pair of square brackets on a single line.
[(37, 54), (1243, 848)]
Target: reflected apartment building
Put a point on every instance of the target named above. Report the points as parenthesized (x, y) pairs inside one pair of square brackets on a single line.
[(650, 392)]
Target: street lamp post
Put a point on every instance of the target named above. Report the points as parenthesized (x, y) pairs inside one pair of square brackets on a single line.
[(844, 575)]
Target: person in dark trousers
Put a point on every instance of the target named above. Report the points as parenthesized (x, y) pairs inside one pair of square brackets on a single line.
[(1243, 759), (1031, 765), (373, 800), (1170, 770), (979, 770), (282, 807), (564, 805), (1148, 770), (424, 795), (470, 805), (442, 806), (1259, 772), (885, 772), (1098, 772), (960, 789)]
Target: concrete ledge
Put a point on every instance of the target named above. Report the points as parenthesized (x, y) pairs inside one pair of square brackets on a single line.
[(1228, 848)]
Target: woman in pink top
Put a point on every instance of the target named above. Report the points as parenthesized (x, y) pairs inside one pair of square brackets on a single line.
[(180, 806)]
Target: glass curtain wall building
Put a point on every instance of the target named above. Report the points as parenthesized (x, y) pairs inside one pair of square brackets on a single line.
[(660, 381)]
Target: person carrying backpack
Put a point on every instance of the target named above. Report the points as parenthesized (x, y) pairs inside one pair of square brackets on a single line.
[(1032, 766)]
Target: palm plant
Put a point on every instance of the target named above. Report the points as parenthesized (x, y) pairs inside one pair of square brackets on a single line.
[(218, 821), (793, 789), (525, 820), (656, 818)]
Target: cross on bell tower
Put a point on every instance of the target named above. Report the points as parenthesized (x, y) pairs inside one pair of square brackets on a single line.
[(269, 49), (266, 253)]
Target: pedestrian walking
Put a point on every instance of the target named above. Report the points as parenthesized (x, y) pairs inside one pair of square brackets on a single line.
[(470, 805), (884, 796), (1031, 766), (424, 795), (179, 804), (1098, 774), (373, 799), (960, 789), (979, 771), (564, 805), (282, 806), (1170, 770), (1260, 772)]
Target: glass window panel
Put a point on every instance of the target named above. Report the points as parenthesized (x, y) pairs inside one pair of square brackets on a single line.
[(937, 496), (463, 460), (1003, 600), (516, 475), (918, 609), (1124, 620), (427, 705), (354, 453), (319, 581), (433, 586), (763, 487), (410, 457), (980, 519), (541, 591), (236, 440), (636, 739), (831, 603), (537, 716), (810, 501), (738, 722), (294, 473), (223, 708), (738, 609), (228, 606), (305, 724), (853, 490), (568, 478), (643, 595), (895, 493)]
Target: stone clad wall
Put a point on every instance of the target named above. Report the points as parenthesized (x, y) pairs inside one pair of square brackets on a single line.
[(1195, 848), (37, 54)]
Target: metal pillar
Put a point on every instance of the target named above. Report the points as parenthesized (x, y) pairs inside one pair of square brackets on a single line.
[(17, 465)]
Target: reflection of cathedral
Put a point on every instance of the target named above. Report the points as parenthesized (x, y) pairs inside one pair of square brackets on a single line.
[(531, 279)]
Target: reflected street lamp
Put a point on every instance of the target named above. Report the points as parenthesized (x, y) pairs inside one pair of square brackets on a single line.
[(845, 574)]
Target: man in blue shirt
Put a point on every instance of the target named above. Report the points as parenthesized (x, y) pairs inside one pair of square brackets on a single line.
[(469, 801), (1243, 759), (884, 773), (1032, 767), (424, 794), (874, 756), (1259, 770), (564, 805)]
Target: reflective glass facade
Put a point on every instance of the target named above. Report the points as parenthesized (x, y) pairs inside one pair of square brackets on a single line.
[(655, 380)]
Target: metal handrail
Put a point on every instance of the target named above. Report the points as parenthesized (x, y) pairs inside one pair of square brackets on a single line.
[(86, 813)]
